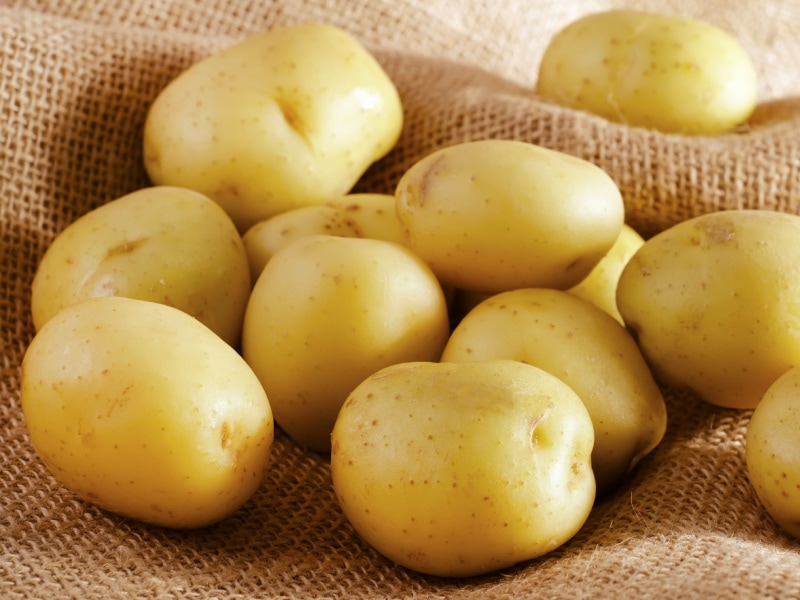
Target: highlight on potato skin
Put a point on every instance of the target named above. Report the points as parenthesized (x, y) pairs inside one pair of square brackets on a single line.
[(645, 69), (288, 117)]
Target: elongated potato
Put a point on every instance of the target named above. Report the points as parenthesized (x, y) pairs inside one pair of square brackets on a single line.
[(652, 70), (142, 410), (494, 215), (772, 451)]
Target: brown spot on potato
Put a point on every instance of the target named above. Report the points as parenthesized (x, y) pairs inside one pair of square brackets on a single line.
[(126, 247)]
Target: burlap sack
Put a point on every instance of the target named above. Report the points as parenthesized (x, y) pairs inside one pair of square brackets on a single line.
[(76, 79)]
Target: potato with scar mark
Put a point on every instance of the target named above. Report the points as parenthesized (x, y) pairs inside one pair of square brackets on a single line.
[(163, 244), (285, 118), (142, 410)]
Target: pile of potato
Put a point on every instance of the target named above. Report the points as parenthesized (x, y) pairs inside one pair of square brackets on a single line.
[(478, 353)]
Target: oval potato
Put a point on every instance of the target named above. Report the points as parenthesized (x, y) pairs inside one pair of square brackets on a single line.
[(461, 469), (772, 451), (714, 303), (494, 215), (353, 215), (142, 410), (163, 244), (646, 69), (329, 311)]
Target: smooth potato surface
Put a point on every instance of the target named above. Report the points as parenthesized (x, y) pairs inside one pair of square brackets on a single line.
[(461, 469), (353, 215), (772, 451), (600, 286), (140, 409), (652, 70), (495, 215), (714, 303), (329, 311)]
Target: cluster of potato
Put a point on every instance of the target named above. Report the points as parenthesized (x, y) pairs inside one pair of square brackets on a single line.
[(475, 352)]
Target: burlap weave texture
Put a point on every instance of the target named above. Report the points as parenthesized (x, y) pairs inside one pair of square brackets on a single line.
[(76, 79)]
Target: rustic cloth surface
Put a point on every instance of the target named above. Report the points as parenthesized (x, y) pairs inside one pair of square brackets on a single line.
[(76, 79)]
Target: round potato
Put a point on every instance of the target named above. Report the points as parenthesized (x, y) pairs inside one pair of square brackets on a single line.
[(714, 301), (329, 311), (652, 70), (353, 215), (142, 410), (164, 244), (289, 117), (772, 451), (600, 286), (461, 469), (495, 215), (588, 350)]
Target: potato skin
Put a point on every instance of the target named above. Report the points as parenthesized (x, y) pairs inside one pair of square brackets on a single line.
[(461, 469), (713, 303), (772, 451), (163, 244), (600, 286), (495, 215), (587, 349), (362, 215), (327, 312), (668, 73), (142, 410), (284, 118)]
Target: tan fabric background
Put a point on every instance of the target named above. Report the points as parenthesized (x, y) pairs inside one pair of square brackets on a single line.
[(76, 79)]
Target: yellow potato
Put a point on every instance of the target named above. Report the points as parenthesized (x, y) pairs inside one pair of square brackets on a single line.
[(353, 215), (461, 469), (143, 411), (327, 312), (286, 118), (164, 244), (495, 215), (600, 286), (651, 70), (587, 349), (772, 451), (714, 303)]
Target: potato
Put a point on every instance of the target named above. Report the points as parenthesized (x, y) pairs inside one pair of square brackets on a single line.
[(353, 215), (587, 349), (142, 410), (329, 311), (714, 303), (163, 244), (494, 215), (461, 469), (772, 451), (286, 118), (600, 286), (659, 71)]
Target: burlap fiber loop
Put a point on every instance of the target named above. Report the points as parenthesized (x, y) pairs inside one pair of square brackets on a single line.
[(76, 79)]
